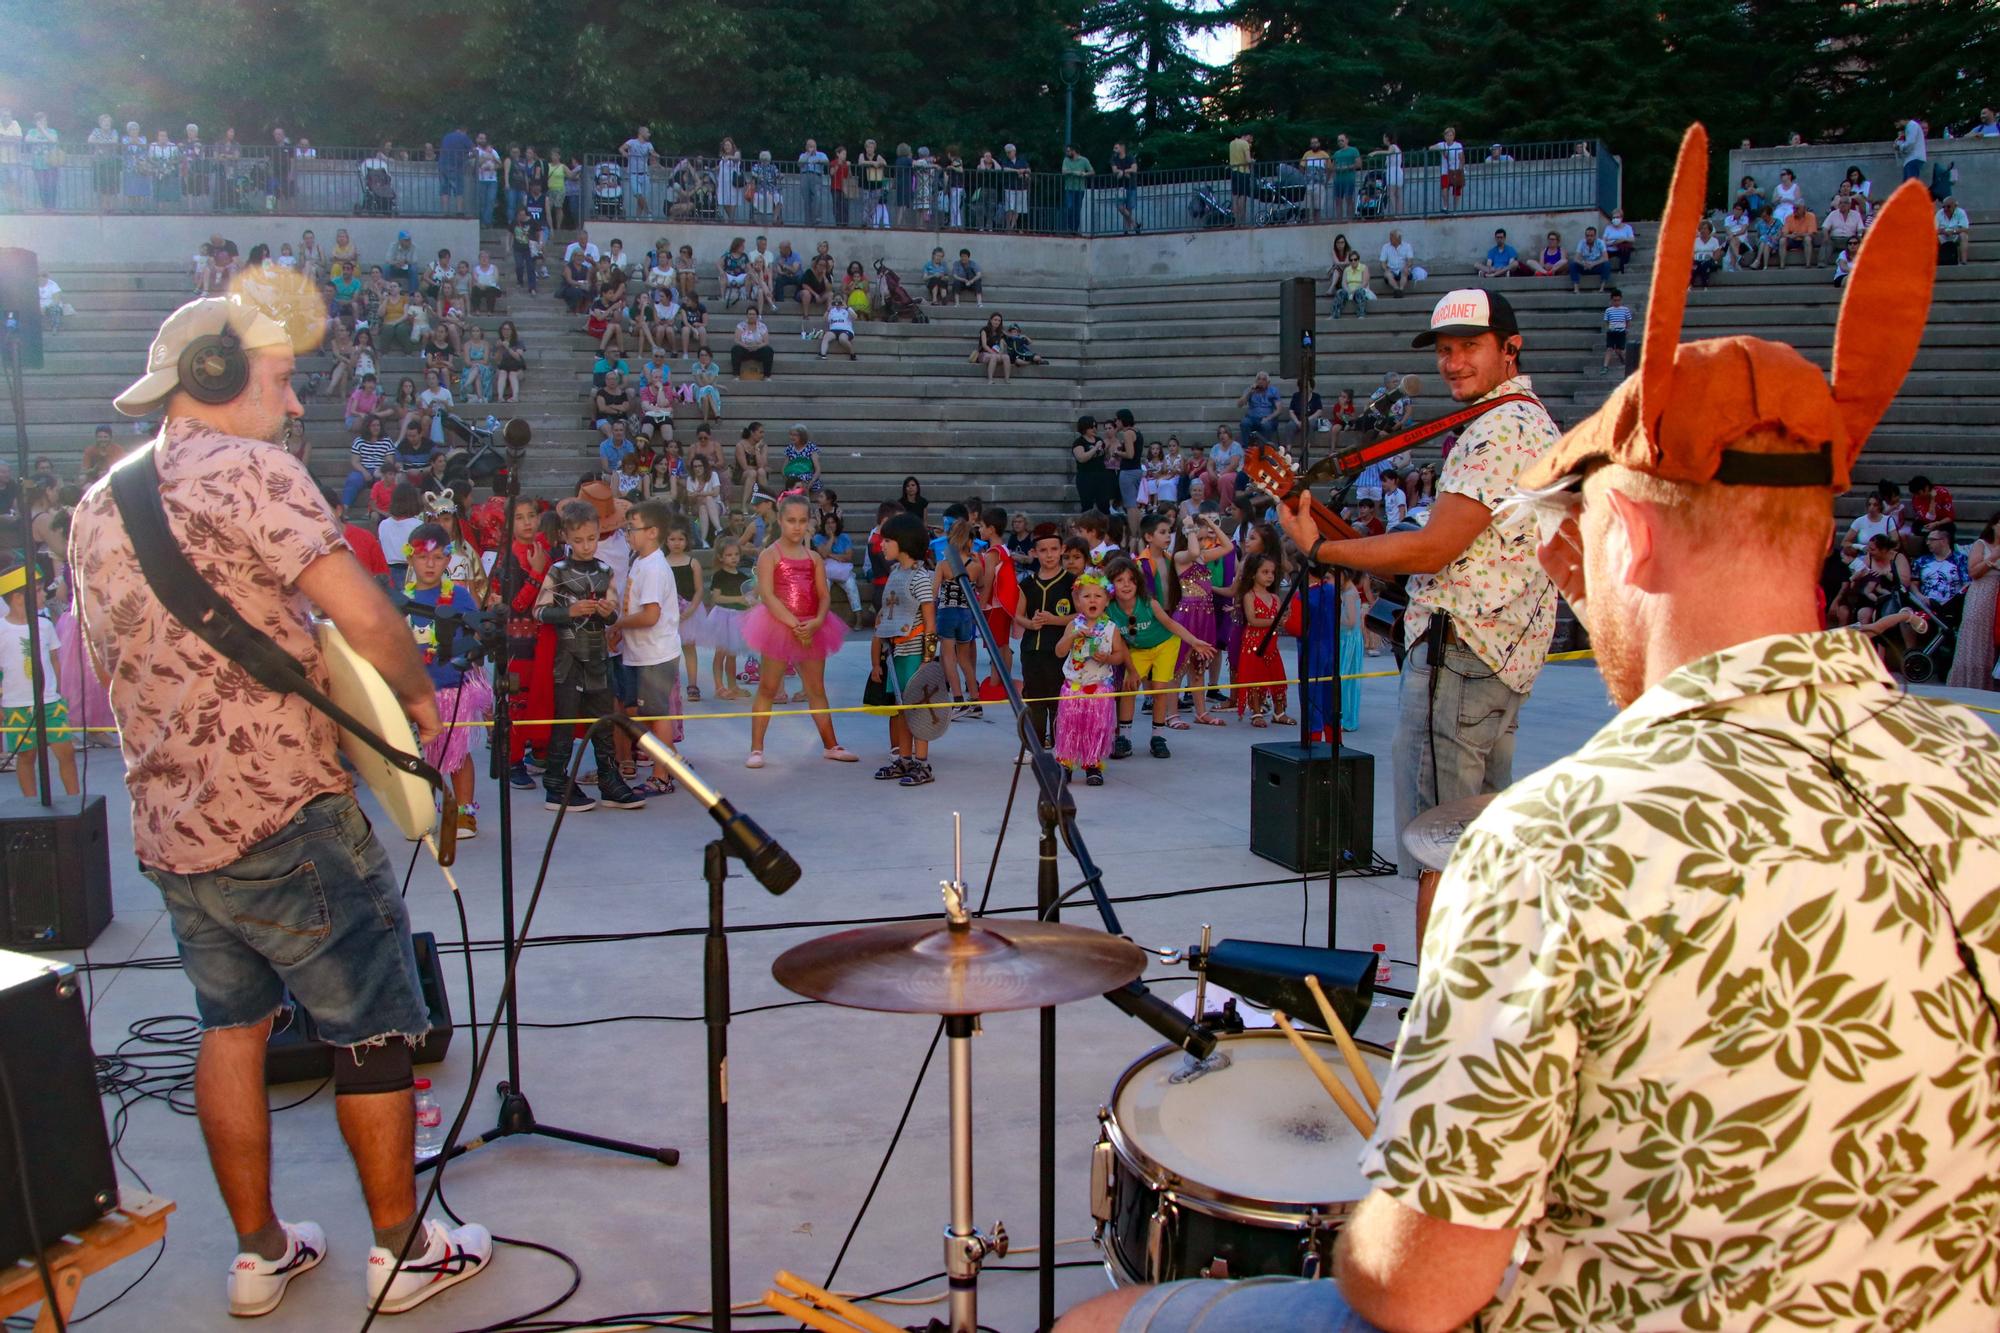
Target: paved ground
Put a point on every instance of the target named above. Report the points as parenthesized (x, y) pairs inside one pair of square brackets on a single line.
[(816, 1091)]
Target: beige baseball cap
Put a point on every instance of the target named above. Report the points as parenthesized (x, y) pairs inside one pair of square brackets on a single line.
[(199, 318)]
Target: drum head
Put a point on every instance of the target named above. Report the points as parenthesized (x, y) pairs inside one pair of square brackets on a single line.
[(1261, 1129)]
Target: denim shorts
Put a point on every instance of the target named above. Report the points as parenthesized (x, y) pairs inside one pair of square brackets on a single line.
[(624, 681), (1255, 1305), (954, 624), (312, 910)]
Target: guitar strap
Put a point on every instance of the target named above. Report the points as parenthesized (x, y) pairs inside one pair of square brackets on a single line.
[(1349, 462), (192, 600)]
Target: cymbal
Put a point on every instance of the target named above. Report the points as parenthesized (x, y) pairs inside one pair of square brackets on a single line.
[(990, 966), (1432, 835)]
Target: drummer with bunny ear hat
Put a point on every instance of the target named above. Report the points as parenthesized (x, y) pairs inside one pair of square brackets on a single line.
[(1705, 1033)]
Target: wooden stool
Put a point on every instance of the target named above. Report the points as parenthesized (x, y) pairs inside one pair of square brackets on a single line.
[(139, 1222)]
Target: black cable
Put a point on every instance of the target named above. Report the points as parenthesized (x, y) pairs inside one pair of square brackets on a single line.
[(478, 1074), (20, 1138), (985, 896)]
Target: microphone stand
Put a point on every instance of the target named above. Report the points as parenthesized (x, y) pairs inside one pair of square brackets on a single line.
[(517, 1116), (775, 870), (1055, 808), (30, 590)]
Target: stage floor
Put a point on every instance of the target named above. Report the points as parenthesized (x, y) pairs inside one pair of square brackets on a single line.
[(815, 1092)]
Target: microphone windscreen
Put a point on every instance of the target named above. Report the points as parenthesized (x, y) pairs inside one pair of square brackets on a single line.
[(1412, 386), (517, 434)]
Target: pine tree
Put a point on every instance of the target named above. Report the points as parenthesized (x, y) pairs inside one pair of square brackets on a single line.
[(1143, 46)]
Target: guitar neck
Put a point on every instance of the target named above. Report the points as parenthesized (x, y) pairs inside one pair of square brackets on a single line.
[(1330, 524)]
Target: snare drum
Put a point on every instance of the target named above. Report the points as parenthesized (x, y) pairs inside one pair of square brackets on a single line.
[(1241, 1170)]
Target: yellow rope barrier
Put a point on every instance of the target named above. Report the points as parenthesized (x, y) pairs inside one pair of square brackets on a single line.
[(883, 710)]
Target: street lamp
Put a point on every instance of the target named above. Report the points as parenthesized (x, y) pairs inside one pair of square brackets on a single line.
[(1072, 70)]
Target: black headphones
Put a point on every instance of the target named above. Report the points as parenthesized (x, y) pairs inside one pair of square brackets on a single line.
[(213, 368)]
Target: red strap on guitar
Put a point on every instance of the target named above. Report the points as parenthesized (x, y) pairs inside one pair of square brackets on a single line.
[(1351, 461)]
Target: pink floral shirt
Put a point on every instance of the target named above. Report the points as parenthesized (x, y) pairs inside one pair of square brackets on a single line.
[(214, 762), (1495, 592)]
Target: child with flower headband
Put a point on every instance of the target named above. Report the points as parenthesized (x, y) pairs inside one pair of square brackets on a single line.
[(1091, 649), (442, 616), (463, 564)]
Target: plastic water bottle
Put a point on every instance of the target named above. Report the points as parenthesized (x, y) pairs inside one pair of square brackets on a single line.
[(430, 1122), (1383, 976)]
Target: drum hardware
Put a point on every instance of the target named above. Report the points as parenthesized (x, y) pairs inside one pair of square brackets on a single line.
[(1250, 1168), (959, 969)]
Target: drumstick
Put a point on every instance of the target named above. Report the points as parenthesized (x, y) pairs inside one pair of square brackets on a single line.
[(1363, 1076), (1334, 1088), (798, 1286), (806, 1315)]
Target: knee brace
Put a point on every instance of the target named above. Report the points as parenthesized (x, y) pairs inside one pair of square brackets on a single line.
[(382, 1067)]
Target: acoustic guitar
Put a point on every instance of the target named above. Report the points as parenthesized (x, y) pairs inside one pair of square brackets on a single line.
[(409, 800), (1273, 472)]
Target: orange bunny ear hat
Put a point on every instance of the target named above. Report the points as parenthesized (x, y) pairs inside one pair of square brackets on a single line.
[(1690, 402)]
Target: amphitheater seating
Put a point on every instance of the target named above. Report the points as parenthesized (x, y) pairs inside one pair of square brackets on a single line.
[(1175, 351)]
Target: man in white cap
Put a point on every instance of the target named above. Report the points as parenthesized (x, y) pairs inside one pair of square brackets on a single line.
[(1479, 605), (235, 785)]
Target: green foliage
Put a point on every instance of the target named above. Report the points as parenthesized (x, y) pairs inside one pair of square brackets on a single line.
[(975, 73)]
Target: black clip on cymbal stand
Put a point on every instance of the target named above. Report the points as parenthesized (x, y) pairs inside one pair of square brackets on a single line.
[(1055, 807), (516, 1115)]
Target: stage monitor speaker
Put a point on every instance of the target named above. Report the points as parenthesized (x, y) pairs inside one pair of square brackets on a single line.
[(1285, 777), (1295, 323), (56, 1127), (55, 871), (296, 1052), (21, 302)]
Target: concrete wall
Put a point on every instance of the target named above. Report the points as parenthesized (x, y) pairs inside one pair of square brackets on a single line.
[(1440, 242), (1821, 167), (96, 237)]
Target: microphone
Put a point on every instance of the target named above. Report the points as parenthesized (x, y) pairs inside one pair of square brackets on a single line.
[(518, 433), (1409, 387), (1134, 999), (764, 855)]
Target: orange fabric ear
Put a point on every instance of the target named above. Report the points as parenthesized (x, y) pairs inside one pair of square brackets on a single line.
[(1666, 301), (1883, 315)]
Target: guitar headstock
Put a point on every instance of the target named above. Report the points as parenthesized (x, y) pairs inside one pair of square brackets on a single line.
[(1271, 469)]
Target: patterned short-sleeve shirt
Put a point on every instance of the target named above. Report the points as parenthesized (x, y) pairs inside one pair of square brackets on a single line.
[(1496, 594), (1691, 1020), (214, 761)]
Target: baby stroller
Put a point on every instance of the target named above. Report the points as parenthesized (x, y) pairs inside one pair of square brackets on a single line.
[(1207, 211), (897, 303), (1284, 198), (1372, 198), (378, 192), (1930, 660)]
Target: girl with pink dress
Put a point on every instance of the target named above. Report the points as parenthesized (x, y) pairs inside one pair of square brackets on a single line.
[(790, 627)]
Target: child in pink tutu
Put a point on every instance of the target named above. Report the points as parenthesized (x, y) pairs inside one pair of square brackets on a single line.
[(463, 694), (1087, 715), (789, 627)]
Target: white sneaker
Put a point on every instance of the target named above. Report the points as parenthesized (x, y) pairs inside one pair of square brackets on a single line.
[(448, 1257), (256, 1285)]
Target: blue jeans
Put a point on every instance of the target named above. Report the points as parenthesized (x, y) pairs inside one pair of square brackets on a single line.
[(1255, 1305), (1578, 272), (356, 483), (489, 194), (1914, 170), (1073, 210), (1460, 744), (313, 911), (515, 198)]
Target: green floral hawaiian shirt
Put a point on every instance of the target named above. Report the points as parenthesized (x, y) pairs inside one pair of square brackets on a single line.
[(1691, 1020)]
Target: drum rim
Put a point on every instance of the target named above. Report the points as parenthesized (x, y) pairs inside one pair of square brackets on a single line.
[(1224, 1205)]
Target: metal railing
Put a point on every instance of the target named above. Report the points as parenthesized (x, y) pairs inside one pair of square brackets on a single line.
[(909, 196)]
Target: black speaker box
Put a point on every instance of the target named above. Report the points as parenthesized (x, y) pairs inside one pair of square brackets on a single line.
[(296, 1052), (55, 871), (1295, 323), (21, 302), (1286, 777), (50, 1119)]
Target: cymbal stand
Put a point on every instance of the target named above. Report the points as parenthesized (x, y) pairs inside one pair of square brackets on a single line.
[(966, 1247)]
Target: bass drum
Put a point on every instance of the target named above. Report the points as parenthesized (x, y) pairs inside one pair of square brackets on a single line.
[(1239, 1167)]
